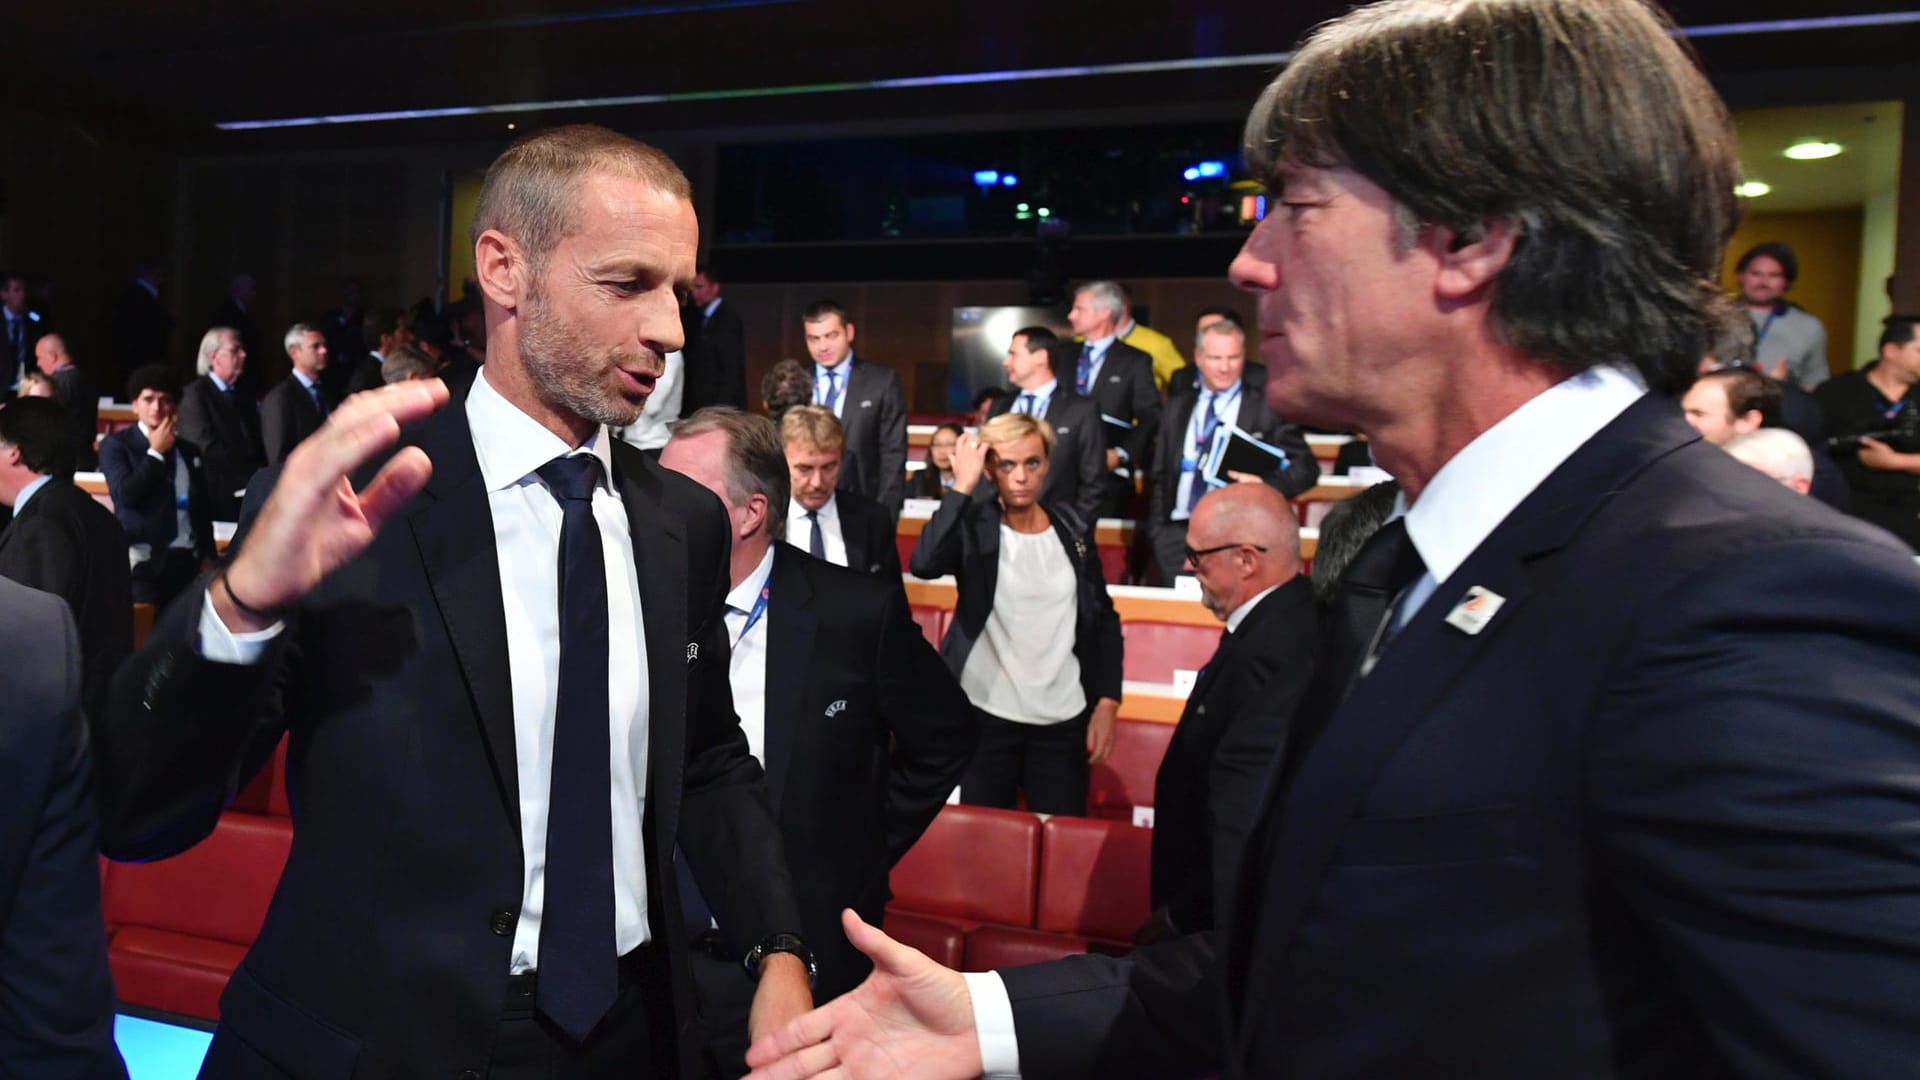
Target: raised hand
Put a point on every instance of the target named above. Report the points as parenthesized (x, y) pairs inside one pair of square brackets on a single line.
[(160, 439), (969, 463), (912, 1018), (314, 521)]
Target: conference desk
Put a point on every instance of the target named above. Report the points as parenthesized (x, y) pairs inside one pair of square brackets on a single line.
[(1114, 536)]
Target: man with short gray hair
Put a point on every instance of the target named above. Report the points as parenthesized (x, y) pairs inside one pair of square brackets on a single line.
[(296, 407), (1777, 452), (1119, 379), (217, 416)]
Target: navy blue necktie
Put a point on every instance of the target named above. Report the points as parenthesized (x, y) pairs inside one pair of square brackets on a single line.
[(314, 392), (817, 543), (579, 976), (1026, 405), (1083, 371)]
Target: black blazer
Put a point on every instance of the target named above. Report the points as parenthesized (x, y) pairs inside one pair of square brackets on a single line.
[(288, 415), (875, 419), (868, 531), (382, 954), (143, 494), (963, 539), (716, 358), (74, 391), (1124, 390), (866, 734), (1616, 832), (65, 543), (228, 435), (58, 1022), (1078, 465), (1251, 416), (1231, 731)]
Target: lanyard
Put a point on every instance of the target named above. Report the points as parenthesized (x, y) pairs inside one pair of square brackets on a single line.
[(1766, 326), (1203, 429), (753, 615)]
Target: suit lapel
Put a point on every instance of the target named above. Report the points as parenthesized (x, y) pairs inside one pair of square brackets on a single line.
[(790, 634), (853, 534), (453, 530), (659, 546)]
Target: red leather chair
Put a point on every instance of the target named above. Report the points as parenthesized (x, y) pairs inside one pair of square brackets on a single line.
[(1094, 878), (933, 623), (990, 947), (1155, 650), (182, 924), (1125, 779), (905, 545), (1113, 563), (944, 941), (974, 864)]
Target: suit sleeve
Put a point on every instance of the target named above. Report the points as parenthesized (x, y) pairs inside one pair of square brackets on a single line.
[(196, 423), (1109, 646), (1154, 1012), (1752, 788), (893, 447), (136, 481), (276, 426), (934, 727), (939, 550), (1146, 415), (1090, 468), (1302, 471)]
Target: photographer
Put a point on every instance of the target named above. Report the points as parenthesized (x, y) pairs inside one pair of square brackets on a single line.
[(1874, 414)]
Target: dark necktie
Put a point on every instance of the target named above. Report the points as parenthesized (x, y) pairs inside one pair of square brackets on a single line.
[(1083, 372), (579, 977), (16, 341), (1026, 405), (830, 394), (313, 391), (817, 543)]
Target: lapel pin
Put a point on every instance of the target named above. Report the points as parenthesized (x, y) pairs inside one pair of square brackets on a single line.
[(1475, 610)]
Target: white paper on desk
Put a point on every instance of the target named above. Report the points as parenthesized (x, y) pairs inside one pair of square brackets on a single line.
[(1183, 680), (1143, 816), (919, 508)]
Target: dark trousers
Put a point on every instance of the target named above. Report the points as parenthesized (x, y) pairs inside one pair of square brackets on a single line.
[(634, 1040), (1048, 761), (161, 578), (725, 996)]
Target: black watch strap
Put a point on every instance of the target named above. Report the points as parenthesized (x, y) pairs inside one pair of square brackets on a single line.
[(781, 943)]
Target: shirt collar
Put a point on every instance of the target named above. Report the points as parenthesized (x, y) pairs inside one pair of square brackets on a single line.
[(844, 367), (1100, 345), (1239, 615), (742, 596), (516, 444), (20, 500), (219, 382), (829, 512), (304, 381), (1479, 486), (1043, 391), (712, 306)]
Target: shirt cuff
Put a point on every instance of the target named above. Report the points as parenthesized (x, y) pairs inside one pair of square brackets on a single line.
[(156, 455), (993, 1024), (223, 646), (1122, 451)]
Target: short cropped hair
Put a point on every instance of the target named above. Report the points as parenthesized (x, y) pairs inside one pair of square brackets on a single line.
[(1582, 123), (381, 322), (1777, 452), (1037, 336), (153, 377), (43, 432), (1108, 295), (297, 334), (1012, 427), (812, 426), (787, 384), (1775, 250), (1897, 330), (405, 362), (820, 309), (756, 460), (1220, 314), (1748, 390), (531, 192)]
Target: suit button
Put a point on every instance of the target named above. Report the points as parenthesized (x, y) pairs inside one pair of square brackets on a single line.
[(504, 922)]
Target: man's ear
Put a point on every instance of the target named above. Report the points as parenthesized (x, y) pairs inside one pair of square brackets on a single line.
[(501, 268), (753, 515), (1470, 259)]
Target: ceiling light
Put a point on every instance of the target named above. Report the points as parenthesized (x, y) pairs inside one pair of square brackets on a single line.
[(1752, 189), (1812, 150)]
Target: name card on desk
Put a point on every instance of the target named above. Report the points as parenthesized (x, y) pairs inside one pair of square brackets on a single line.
[(1143, 816), (1183, 680), (919, 508), (1368, 475)]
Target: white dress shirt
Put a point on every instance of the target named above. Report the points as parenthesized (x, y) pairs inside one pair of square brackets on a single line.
[(1462, 505), (747, 667), (1226, 405), (1022, 667), (823, 380), (526, 525), (1239, 615), (650, 432), (1099, 349), (800, 530), (29, 491)]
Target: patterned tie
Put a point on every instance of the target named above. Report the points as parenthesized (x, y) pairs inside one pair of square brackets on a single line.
[(1203, 438), (579, 976), (1083, 372), (830, 394), (817, 544)]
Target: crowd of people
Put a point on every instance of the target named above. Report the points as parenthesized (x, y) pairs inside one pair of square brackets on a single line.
[(1580, 749)]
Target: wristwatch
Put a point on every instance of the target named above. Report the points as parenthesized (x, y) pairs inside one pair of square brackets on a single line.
[(781, 943)]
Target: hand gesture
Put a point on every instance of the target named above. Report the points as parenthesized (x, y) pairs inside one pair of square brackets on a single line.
[(1100, 730), (911, 1018), (314, 521), (1875, 454), (160, 439), (969, 463)]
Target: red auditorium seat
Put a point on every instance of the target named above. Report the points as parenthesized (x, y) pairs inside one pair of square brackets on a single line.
[(974, 864), (1093, 878), (938, 938), (905, 545), (277, 768), (182, 924), (1113, 563), (990, 947), (1125, 779), (1154, 650), (933, 622)]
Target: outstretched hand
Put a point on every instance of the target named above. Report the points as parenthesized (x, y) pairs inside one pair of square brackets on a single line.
[(910, 1018), (314, 521)]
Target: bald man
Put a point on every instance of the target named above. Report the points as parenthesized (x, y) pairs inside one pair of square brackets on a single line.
[(1777, 452), (1244, 547), (74, 391)]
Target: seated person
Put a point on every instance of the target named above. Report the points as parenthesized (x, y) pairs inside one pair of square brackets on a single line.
[(843, 527), (1777, 452), (159, 488), (937, 478), (1034, 639)]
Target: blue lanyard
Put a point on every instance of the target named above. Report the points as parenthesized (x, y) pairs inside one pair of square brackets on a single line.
[(753, 615), (1203, 429), (1766, 326)]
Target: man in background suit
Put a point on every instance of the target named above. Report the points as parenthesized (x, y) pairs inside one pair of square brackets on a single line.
[(1159, 348), (1076, 470), (490, 762), (1568, 802), (296, 407), (158, 483), (826, 521), (74, 391), (1225, 394), (222, 422), (56, 993), (716, 348), (867, 399), (20, 328), (1119, 379), (1244, 547), (63, 542), (384, 330), (862, 730)]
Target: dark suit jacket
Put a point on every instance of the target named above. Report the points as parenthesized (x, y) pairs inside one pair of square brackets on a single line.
[(142, 328), (380, 955), (288, 415), (75, 393), (58, 1022), (716, 357), (866, 733), (1232, 730), (868, 531), (875, 418), (65, 543), (1253, 417), (143, 493), (228, 435), (1124, 390), (370, 375), (963, 539), (1619, 831), (32, 329), (1078, 465)]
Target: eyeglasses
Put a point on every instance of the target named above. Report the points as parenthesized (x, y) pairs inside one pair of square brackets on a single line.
[(1194, 557)]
